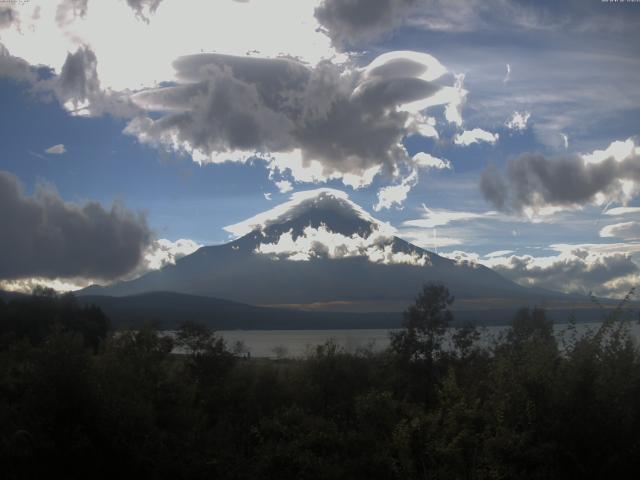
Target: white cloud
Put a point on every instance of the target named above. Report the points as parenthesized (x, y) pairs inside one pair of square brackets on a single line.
[(396, 194), (165, 252), (284, 186), (299, 204), (618, 150), (423, 125), (507, 75), (56, 149), (498, 253), (426, 160), (622, 210), (518, 121), (475, 136), (323, 243), (462, 257), (574, 269), (604, 269), (267, 196), (26, 285), (454, 99), (625, 230), (428, 239), (438, 217)]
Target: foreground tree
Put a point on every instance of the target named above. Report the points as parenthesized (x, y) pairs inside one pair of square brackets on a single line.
[(418, 347), (425, 324)]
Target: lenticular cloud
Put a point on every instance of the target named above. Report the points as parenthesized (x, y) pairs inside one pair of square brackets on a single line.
[(317, 123)]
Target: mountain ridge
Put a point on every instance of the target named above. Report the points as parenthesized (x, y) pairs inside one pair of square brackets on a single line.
[(322, 248)]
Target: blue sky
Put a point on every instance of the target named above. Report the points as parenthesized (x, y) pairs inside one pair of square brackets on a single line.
[(568, 71)]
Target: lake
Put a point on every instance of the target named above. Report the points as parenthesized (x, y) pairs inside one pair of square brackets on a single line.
[(296, 343)]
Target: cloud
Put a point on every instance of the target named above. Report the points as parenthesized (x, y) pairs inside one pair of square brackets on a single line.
[(301, 203), (534, 182), (356, 23), (622, 210), (454, 98), (77, 86), (476, 135), (8, 16), (315, 114), (618, 150), (284, 186), (44, 236), (396, 194), (498, 253), (69, 10), (41, 40), (462, 258), (316, 123), (78, 89), (352, 23), (323, 243), (158, 254), (518, 121), (267, 196), (324, 223), (78, 82), (625, 230), (578, 270), (603, 269), (56, 149), (14, 67), (438, 217), (507, 75), (164, 252), (428, 239), (144, 8), (426, 160)]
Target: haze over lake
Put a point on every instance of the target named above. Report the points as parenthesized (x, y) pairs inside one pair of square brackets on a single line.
[(298, 343)]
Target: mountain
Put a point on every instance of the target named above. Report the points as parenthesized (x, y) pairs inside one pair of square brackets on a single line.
[(321, 251), (168, 309)]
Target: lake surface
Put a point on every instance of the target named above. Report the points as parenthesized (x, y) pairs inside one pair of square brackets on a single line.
[(296, 343)]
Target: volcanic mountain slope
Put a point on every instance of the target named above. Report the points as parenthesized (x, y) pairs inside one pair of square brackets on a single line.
[(320, 250)]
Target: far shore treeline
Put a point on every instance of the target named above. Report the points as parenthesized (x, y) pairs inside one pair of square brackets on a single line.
[(78, 400)]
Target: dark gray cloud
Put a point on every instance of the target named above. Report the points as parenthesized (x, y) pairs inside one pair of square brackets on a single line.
[(69, 10), (44, 236), (14, 67), (348, 121), (536, 181), (8, 15), (77, 87), (352, 23), (78, 80), (142, 8), (607, 274)]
